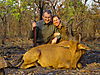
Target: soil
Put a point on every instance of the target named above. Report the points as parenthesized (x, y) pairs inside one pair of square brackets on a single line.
[(13, 49)]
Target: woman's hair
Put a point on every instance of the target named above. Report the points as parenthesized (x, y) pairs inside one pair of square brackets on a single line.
[(56, 16)]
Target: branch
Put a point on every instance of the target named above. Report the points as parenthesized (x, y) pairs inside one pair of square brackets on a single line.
[(86, 1)]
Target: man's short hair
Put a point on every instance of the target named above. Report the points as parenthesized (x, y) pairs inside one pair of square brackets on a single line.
[(47, 11)]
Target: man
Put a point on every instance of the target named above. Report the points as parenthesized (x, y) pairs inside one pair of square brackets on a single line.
[(45, 29)]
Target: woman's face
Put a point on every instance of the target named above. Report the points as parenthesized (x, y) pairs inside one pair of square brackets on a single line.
[(56, 21)]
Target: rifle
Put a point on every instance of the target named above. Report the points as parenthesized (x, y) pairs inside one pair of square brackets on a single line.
[(34, 33)]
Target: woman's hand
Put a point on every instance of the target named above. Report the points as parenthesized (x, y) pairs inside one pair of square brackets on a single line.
[(54, 40)]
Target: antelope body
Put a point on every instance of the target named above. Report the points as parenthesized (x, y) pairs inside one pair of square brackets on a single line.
[(62, 55)]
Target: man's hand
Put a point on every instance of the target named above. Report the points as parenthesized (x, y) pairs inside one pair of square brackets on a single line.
[(33, 25), (54, 40)]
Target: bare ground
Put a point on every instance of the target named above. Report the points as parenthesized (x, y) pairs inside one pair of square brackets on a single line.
[(12, 49)]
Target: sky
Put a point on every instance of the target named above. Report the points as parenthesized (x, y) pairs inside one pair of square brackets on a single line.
[(89, 3)]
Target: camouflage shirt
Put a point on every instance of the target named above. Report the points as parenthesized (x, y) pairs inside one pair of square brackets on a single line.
[(63, 31)]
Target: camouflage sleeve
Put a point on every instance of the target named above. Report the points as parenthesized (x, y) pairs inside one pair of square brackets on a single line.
[(58, 34)]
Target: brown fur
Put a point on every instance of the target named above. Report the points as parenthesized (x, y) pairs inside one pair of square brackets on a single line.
[(56, 55)]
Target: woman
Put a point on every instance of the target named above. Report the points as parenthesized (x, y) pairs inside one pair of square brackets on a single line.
[(60, 27)]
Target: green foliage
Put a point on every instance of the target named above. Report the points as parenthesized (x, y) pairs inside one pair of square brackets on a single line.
[(2, 8), (68, 11), (12, 7), (17, 15)]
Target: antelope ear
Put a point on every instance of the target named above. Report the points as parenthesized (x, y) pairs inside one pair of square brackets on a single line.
[(82, 46)]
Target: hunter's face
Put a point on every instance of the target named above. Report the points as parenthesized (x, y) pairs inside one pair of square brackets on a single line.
[(46, 17), (56, 21)]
